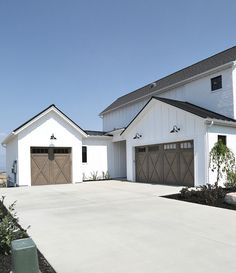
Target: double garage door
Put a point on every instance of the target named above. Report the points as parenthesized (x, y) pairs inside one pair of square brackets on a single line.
[(170, 163), (50, 165)]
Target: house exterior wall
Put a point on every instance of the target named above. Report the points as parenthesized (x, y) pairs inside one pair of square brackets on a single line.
[(197, 91), (155, 124), (38, 134), (11, 156), (117, 159), (212, 137), (97, 157)]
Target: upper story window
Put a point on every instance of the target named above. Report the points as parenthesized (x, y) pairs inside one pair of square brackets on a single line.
[(216, 83), (84, 154), (222, 138)]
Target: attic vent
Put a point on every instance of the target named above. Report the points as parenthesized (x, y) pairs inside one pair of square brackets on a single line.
[(153, 85)]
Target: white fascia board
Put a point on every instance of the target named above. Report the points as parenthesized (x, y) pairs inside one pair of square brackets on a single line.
[(8, 139)]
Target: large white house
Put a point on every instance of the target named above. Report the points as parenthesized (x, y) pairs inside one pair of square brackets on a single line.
[(160, 133)]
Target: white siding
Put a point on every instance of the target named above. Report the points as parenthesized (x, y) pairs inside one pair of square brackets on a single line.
[(121, 117), (213, 132), (155, 124), (38, 134), (11, 156), (117, 159), (197, 92), (97, 150)]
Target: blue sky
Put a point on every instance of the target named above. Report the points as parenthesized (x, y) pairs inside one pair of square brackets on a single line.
[(82, 55)]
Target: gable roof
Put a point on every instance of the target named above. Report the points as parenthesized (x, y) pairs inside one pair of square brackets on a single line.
[(203, 66), (52, 107), (194, 109), (188, 107)]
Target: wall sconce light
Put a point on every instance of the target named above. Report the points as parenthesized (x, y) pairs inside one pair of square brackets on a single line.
[(52, 137), (137, 136), (175, 129)]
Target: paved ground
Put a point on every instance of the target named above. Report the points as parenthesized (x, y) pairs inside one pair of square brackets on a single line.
[(120, 227)]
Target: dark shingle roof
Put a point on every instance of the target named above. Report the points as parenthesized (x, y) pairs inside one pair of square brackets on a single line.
[(188, 107), (194, 109), (95, 133), (212, 62)]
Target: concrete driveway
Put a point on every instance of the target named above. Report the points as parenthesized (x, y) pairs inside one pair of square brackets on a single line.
[(121, 227)]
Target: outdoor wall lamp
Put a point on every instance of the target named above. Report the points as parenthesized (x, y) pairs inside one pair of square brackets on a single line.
[(175, 129), (137, 136), (52, 137)]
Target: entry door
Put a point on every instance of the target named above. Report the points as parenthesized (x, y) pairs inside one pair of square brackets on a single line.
[(50, 165)]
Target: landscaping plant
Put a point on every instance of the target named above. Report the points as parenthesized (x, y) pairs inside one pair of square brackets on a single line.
[(222, 160), (9, 227)]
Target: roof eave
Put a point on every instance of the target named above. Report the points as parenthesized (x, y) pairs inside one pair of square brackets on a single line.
[(211, 121)]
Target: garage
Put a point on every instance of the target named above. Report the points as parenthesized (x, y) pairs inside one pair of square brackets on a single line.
[(168, 163), (50, 165)]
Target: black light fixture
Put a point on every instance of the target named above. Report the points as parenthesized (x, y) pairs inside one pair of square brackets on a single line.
[(52, 137), (175, 129), (137, 136)]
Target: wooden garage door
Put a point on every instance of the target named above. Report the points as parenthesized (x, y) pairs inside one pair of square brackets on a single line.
[(170, 163), (50, 165)]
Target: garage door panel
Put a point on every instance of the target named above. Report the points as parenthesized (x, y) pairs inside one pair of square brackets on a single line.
[(40, 169), (187, 167), (141, 162), (155, 164), (61, 169)]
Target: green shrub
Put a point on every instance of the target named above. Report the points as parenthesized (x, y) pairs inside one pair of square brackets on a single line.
[(206, 194), (94, 176), (9, 228), (222, 160), (105, 175), (231, 180)]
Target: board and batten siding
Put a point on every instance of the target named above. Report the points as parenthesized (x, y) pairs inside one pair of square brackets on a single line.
[(197, 92), (38, 135), (155, 124), (97, 150)]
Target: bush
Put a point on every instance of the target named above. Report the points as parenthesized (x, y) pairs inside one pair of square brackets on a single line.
[(105, 175), (231, 180), (207, 194), (9, 227)]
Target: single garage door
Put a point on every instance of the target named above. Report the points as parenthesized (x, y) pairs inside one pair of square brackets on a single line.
[(50, 165), (169, 163)]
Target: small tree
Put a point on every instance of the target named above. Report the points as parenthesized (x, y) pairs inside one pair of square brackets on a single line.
[(222, 160)]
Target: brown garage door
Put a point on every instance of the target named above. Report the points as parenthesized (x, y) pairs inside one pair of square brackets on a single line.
[(50, 165), (170, 163)]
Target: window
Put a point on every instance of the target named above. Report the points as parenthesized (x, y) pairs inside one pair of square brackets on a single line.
[(216, 83), (84, 154), (222, 138), (186, 145), (171, 146), (141, 150)]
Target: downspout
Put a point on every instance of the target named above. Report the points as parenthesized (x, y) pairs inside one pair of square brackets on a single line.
[(207, 149)]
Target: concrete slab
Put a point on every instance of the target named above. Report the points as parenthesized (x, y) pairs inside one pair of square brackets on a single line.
[(118, 227)]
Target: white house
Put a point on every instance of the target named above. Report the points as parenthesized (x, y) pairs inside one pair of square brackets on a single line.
[(160, 133)]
